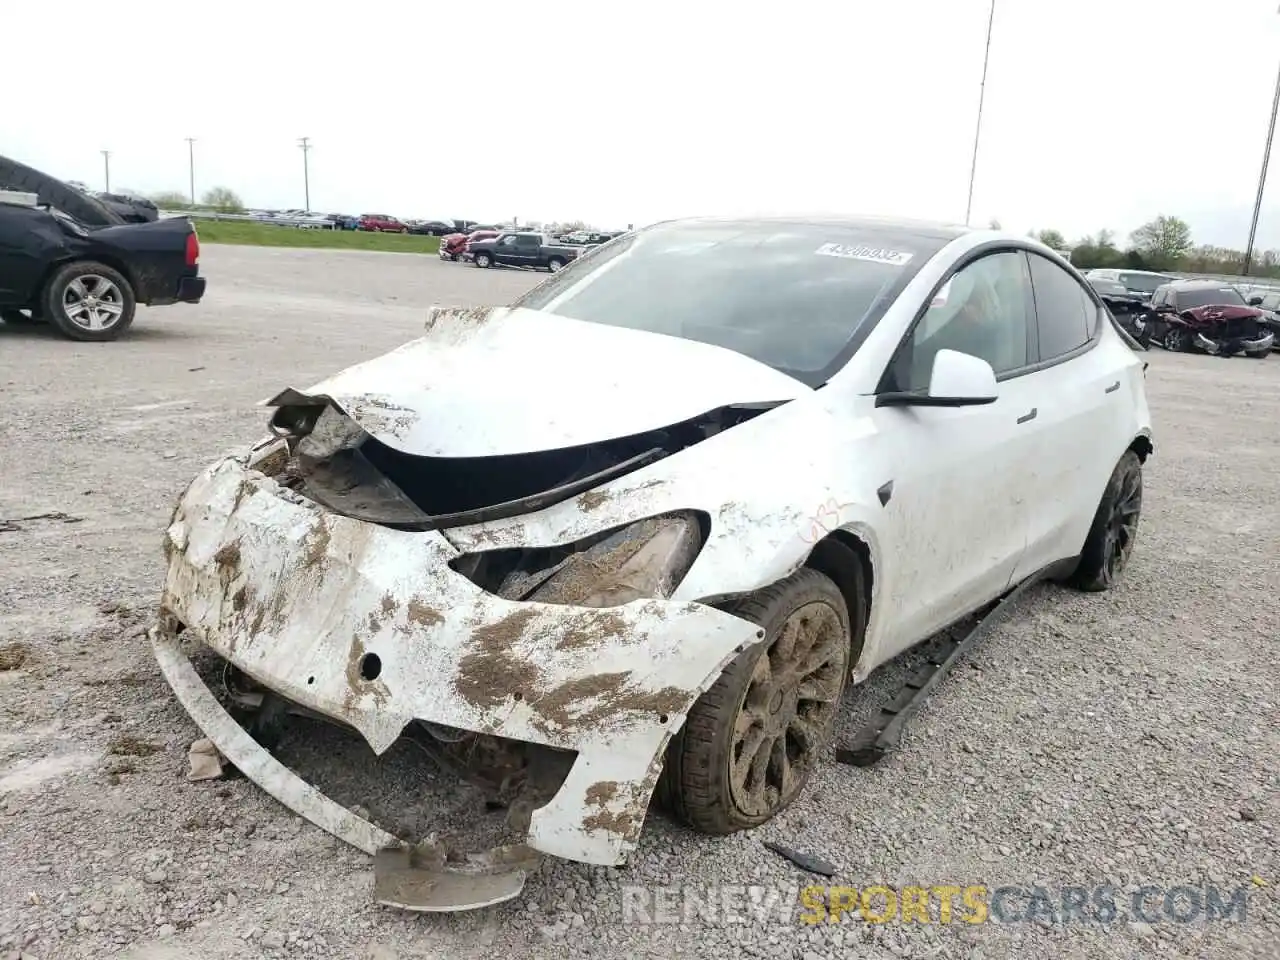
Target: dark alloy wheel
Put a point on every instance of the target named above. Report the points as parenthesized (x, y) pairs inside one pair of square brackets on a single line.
[(752, 740), (1109, 545)]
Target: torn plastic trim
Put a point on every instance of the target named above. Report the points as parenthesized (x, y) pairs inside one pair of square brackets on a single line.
[(426, 877)]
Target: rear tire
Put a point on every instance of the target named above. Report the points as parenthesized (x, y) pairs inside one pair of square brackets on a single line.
[(1114, 531), (89, 301), (752, 740)]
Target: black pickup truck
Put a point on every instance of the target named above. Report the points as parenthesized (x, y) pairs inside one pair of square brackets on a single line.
[(533, 250)]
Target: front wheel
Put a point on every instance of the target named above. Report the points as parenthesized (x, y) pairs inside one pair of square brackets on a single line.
[(1176, 340), (89, 301), (483, 260), (454, 257), (752, 740), (554, 265), (1115, 529)]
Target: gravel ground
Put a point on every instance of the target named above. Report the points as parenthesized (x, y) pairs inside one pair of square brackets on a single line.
[(1125, 739)]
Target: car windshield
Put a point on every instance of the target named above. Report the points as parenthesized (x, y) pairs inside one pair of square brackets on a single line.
[(1145, 282), (794, 296), (1210, 297)]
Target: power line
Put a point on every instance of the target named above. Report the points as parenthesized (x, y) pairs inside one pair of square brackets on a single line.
[(305, 144), (191, 166), (977, 130)]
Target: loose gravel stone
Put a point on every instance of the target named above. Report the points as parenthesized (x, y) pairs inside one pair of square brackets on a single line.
[(1127, 738)]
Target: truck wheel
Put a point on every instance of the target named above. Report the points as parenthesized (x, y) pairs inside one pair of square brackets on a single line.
[(751, 741), (483, 260), (454, 257), (1175, 340), (554, 264), (89, 301)]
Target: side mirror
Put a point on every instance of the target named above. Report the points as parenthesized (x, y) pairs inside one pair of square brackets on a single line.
[(956, 380), (1255, 301)]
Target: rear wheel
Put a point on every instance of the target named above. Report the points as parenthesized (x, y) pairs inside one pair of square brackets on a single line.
[(751, 741), (1115, 528), (89, 301)]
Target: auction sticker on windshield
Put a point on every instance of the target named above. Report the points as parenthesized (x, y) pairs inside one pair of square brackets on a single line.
[(895, 258)]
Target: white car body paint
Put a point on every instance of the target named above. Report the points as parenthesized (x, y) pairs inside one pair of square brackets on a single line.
[(296, 596)]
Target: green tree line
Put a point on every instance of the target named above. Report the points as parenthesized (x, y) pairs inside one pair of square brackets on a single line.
[(1163, 244), (217, 199)]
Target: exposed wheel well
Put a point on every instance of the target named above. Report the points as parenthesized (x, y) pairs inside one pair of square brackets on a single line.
[(1143, 447), (108, 261), (847, 561)]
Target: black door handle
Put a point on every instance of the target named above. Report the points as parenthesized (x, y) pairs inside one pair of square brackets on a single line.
[(1113, 388), (1028, 416)]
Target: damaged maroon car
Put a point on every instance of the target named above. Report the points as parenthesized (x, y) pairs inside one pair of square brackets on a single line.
[(1205, 315)]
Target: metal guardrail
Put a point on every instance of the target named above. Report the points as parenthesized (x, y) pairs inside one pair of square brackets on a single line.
[(249, 218)]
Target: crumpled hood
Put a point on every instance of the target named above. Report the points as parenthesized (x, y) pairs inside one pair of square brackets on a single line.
[(1210, 315), (494, 381)]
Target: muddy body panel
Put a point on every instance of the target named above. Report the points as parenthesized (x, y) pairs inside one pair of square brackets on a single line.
[(370, 626)]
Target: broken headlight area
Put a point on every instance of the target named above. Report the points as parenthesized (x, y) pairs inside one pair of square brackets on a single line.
[(332, 461), (646, 560)]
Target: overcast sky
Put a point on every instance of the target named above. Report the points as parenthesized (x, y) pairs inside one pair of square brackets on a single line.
[(1099, 113)]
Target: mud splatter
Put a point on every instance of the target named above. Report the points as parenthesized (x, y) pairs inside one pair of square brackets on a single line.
[(316, 545), (590, 629), (241, 599), (423, 615), (624, 822), (592, 499), (592, 700), (12, 656), (390, 604), (598, 794), (494, 671), (228, 558)]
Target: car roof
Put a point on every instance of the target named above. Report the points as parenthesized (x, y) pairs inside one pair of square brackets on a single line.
[(1200, 284), (936, 230)]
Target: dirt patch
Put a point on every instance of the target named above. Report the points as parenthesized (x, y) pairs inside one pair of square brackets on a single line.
[(590, 629), (228, 557), (591, 700), (598, 794), (492, 672), (423, 614), (591, 500), (13, 656), (129, 746), (316, 545), (389, 603), (622, 822), (241, 599)]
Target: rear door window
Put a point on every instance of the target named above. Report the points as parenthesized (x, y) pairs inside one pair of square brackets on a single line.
[(1065, 313)]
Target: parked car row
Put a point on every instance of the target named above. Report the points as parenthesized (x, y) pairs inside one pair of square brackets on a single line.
[(491, 247), (1207, 316)]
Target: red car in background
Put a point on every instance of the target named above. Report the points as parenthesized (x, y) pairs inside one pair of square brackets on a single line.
[(454, 245), (381, 223)]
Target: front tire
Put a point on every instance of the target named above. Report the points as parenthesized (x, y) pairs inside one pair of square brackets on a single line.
[(1109, 545), (555, 264), (482, 260), (1176, 340), (89, 301), (752, 740)]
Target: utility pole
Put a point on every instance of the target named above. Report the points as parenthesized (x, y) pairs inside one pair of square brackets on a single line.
[(1262, 179), (106, 169), (191, 166), (977, 130), (305, 144)]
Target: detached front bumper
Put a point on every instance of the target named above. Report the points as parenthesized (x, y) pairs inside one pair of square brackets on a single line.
[(370, 626), (1234, 345)]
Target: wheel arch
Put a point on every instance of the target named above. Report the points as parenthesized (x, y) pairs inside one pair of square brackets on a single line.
[(845, 558), (107, 260)]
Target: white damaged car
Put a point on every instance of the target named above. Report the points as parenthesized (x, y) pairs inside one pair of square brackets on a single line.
[(641, 529)]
